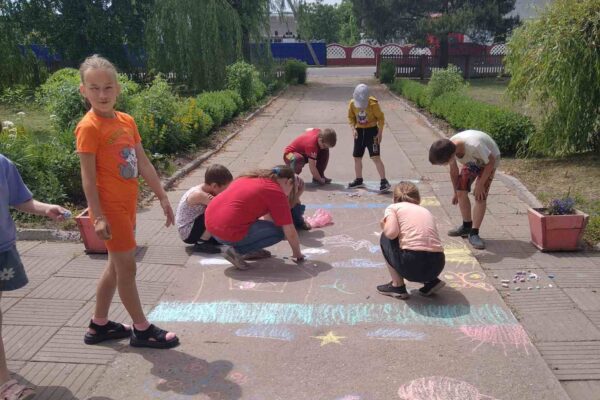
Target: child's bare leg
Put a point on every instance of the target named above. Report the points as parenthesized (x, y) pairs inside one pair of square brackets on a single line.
[(379, 165), (105, 291), (4, 374), (464, 204), (478, 213), (125, 269), (358, 167), (397, 280)]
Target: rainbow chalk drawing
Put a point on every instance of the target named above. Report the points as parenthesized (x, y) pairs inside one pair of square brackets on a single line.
[(358, 263), (467, 280), (506, 335), (266, 332), (330, 314), (395, 334), (440, 388), (348, 241)]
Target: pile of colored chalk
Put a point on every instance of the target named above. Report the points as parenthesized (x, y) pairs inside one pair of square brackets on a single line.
[(523, 277)]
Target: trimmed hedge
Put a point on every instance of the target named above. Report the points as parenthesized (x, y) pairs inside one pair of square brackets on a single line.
[(387, 72), (295, 71), (509, 129)]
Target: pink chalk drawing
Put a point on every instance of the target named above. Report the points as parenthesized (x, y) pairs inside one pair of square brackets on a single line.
[(237, 377), (246, 285), (506, 336), (440, 388), (467, 280)]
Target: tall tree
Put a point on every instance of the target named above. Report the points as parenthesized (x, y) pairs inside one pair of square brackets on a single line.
[(254, 18), (349, 28), (415, 19), (318, 21)]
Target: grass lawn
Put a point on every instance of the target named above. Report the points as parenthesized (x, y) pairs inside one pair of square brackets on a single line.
[(35, 117)]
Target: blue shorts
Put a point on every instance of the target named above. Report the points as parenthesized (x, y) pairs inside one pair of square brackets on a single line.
[(12, 272)]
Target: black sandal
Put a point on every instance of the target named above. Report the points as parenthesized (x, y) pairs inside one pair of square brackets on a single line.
[(110, 331), (152, 337)]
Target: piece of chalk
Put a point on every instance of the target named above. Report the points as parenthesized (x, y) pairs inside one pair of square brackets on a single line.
[(495, 276), (505, 285), (517, 288), (551, 276), (505, 280), (67, 214), (550, 286)]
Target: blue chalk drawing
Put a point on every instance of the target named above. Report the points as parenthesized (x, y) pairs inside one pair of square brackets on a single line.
[(266, 332), (358, 263), (398, 334), (340, 287), (329, 314)]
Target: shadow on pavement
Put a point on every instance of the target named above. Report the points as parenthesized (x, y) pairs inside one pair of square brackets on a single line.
[(48, 392), (311, 238), (497, 249), (177, 373), (457, 303)]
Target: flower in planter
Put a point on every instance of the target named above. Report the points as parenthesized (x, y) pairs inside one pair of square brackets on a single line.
[(563, 206)]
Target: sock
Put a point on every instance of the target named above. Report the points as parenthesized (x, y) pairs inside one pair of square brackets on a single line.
[(468, 224), (474, 231)]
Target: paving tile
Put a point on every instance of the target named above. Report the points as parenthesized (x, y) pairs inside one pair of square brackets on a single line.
[(34, 282), (14, 366), (23, 246), (156, 272), (512, 262), (7, 302), (85, 266), (67, 346), (594, 316), (567, 259), (43, 266), (167, 237), (587, 299), (577, 277), (531, 301), (162, 255), (22, 342), (558, 325), (150, 292), (42, 312), (117, 312), (62, 381), (582, 390), (65, 288), (572, 360), (56, 249)]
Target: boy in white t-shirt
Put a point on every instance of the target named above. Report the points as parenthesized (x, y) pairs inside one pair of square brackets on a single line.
[(480, 157)]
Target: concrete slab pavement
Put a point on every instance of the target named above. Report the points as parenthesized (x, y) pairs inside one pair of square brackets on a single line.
[(319, 330)]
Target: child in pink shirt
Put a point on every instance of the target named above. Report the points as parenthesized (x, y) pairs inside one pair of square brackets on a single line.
[(410, 244)]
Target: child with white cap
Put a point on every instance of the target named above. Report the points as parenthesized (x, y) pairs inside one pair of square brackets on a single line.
[(366, 120)]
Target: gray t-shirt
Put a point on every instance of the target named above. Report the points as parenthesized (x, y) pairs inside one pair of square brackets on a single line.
[(478, 147), (187, 214)]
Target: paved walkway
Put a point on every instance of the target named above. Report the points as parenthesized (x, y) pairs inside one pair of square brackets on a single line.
[(319, 330)]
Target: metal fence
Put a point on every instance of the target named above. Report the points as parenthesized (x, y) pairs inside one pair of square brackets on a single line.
[(422, 66)]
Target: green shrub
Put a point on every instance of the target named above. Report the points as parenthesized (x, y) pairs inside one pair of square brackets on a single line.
[(258, 88), (17, 95), (193, 119), (592, 230), (154, 110), (295, 71), (215, 108), (445, 81), (237, 99), (240, 77), (412, 90), (387, 71), (510, 130)]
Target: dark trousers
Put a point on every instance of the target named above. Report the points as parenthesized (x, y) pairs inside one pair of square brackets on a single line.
[(412, 265)]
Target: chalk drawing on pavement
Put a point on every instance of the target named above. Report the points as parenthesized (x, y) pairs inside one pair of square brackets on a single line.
[(266, 332), (505, 336), (258, 284), (358, 263), (440, 388), (340, 287), (348, 241), (467, 280), (460, 255), (395, 334), (350, 397), (331, 314), (213, 261), (329, 338), (312, 251), (430, 202)]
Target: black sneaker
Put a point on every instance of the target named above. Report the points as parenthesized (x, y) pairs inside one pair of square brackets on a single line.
[(393, 291), (384, 186), (205, 246), (431, 287), (459, 231), (476, 242), (357, 183)]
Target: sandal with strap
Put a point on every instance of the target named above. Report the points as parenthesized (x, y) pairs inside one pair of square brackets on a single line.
[(12, 390), (153, 337), (110, 331)]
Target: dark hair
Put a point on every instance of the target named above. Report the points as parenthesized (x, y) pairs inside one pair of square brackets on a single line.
[(218, 174), (441, 151), (328, 136), (407, 191)]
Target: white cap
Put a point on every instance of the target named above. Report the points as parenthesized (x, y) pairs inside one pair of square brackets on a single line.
[(361, 96)]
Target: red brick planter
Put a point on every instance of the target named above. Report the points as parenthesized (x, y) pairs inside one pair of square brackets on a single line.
[(556, 232), (91, 241)]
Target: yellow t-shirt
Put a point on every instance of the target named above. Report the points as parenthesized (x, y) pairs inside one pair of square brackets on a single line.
[(367, 118)]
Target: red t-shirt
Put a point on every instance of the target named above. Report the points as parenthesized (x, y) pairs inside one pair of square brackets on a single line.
[(230, 214), (306, 144)]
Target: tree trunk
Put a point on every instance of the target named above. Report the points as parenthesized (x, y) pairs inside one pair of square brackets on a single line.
[(246, 50), (444, 51)]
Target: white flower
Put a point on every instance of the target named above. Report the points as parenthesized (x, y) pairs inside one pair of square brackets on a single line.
[(7, 124), (7, 274), (21, 113)]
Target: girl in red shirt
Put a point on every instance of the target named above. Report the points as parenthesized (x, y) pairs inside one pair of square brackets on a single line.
[(254, 213)]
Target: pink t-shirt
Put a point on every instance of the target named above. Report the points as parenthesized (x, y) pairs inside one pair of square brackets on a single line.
[(417, 227)]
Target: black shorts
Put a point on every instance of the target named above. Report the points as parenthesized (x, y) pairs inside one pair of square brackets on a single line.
[(366, 140), (198, 230), (414, 266)]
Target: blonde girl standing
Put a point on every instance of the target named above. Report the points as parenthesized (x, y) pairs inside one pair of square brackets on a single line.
[(111, 155)]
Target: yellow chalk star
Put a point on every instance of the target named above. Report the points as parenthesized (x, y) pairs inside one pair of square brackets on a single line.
[(329, 338)]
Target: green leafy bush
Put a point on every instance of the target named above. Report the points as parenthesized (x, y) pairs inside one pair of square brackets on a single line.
[(240, 77), (387, 71), (445, 81), (510, 130), (592, 230), (412, 90), (258, 88), (237, 99), (210, 103), (16, 95), (295, 71), (193, 119)]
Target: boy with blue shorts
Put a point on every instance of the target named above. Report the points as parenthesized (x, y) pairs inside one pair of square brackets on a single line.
[(14, 193)]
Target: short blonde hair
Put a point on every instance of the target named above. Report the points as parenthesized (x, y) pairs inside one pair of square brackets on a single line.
[(407, 191), (96, 62)]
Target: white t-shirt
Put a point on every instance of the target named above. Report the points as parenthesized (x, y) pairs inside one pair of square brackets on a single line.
[(417, 227), (478, 147), (187, 214)]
